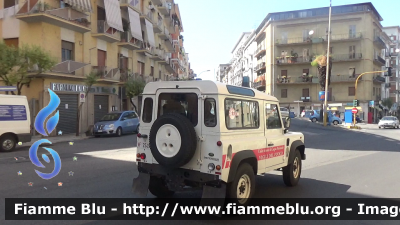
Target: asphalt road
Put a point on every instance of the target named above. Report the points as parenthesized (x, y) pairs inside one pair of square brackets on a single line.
[(340, 163)]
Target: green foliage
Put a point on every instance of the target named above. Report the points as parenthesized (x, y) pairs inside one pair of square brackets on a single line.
[(316, 61), (17, 63), (387, 102), (134, 87), (90, 80)]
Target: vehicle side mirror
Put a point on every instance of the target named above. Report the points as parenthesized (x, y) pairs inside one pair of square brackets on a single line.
[(286, 123)]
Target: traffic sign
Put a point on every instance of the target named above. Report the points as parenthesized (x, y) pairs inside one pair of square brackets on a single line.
[(354, 110)]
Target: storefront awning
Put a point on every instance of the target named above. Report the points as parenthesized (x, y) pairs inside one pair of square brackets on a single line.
[(84, 5), (136, 27), (68, 66), (150, 33), (113, 14)]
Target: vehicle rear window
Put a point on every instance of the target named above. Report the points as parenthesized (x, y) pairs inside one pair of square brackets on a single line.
[(185, 104), (148, 110), (241, 114), (210, 113)]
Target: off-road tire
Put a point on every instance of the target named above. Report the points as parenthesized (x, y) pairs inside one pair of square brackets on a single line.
[(10, 139), (159, 188), (290, 177), (188, 140), (245, 171)]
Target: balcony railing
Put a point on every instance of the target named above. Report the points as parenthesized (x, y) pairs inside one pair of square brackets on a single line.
[(346, 57), (309, 40), (68, 67), (378, 40), (104, 73), (67, 13), (260, 49), (348, 36), (148, 14), (259, 84), (104, 28), (164, 8), (345, 78), (305, 99), (295, 40), (134, 4), (126, 37), (380, 60), (260, 66), (293, 60)]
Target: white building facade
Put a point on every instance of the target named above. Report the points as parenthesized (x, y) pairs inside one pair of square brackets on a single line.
[(393, 33)]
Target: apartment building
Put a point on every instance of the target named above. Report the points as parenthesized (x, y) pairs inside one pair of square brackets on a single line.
[(394, 34), (222, 73), (287, 43), (250, 46), (117, 39), (238, 60)]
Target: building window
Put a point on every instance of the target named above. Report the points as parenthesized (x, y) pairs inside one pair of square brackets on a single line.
[(140, 68), (283, 93), (11, 42), (152, 71), (159, 74), (9, 3), (352, 72), (352, 31), (148, 110), (330, 50), (306, 71), (352, 91), (273, 121), (67, 51), (240, 114), (306, 92), (210, 113), (352, 52), (373, 91), (306, 34), (283, 73)]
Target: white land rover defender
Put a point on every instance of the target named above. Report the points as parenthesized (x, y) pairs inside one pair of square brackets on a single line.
[(217, 137)]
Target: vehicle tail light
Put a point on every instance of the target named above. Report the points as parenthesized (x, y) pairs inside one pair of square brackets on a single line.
[(142, 156), (139, 135), (138, 155), (218, 167), (219, 143)]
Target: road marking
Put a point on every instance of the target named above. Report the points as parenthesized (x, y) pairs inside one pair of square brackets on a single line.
[(309, 133), (122, 154)]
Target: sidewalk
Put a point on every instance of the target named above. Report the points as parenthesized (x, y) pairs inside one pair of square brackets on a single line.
[(56, 139)]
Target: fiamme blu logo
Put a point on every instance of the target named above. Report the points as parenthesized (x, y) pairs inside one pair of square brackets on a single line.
[(50, 126)]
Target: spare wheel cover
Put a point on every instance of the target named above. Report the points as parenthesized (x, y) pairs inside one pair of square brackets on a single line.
[(168, 140)]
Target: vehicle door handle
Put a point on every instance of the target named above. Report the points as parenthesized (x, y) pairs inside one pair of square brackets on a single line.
[(270, 144)]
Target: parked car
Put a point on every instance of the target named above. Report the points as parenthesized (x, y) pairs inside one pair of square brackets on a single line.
[(284, 112), (389, 121), (332, 118), (117, 123)]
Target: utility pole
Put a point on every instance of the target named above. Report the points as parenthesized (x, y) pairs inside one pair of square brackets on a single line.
[(328, 65)]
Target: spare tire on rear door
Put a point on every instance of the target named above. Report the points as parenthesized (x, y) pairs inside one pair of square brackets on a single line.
[(173, 140)]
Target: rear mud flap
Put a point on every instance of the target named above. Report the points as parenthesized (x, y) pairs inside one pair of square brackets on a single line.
[(213, 196), (140, 185)]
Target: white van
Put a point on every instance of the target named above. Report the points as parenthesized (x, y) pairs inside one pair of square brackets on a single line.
[(15, 121)]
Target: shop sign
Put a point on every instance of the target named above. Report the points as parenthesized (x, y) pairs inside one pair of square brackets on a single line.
[(80, 88)]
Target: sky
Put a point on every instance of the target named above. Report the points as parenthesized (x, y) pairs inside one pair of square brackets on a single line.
[(212, 27)]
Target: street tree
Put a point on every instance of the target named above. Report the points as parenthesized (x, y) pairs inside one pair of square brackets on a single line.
[(89, 81), (387, 102), (18, 65), (134, 87), (321, 62)]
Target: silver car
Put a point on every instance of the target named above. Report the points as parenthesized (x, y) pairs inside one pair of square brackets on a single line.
[(389, 121)]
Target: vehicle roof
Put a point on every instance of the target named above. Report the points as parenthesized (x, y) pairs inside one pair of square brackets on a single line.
[(205, 87), (12, 96)]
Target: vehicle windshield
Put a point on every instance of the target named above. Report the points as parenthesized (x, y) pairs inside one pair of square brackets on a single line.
[(387, 118), (111, 117)]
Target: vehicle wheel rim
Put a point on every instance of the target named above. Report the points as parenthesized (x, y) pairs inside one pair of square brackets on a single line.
[(296, 167), (8, 144), (119, 132), (243, 188), (335, 122), (168, 140)]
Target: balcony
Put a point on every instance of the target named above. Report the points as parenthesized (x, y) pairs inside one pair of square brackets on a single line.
[(260, 50), (135, 5), (125, 76), (158, 26), (346, 57), (259, 84), (259, 67), (378, 60), (157, 54), (163, 7), (345, 78), (306, 79), (164, 60), (394, 54), (293, 41), (170, 66), (287, 60), (67, 18), (305, 99), (147, 14), (388, 85), (169, 44), (129, 42), (106, 33), (345, 37), (164, 34), (379, 42), (379, 79), (104, 74), (145, 49)]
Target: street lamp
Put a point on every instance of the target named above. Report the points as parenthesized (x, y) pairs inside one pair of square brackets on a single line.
[(203, 72)]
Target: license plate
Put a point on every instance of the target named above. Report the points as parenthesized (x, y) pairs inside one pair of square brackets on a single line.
[(100, 130)]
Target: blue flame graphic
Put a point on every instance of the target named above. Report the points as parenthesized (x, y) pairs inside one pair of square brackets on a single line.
[(45, 112), (34, 158), (39, 126)]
